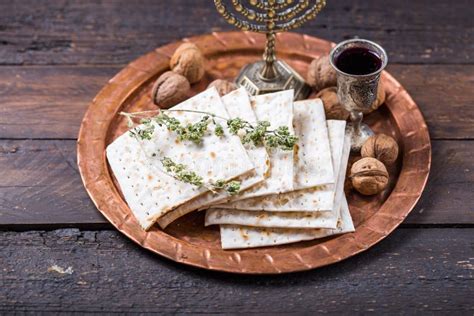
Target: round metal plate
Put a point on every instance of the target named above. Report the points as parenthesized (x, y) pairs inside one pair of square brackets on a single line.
[(187, 240)]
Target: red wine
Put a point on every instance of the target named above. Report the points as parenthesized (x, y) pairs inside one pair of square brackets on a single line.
[(358, 61)]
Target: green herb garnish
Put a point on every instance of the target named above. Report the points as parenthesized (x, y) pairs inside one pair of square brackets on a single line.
[(232, 187), (144, 133), (194, 132), (258, 135), (181, 172), (282, 138), (171, 123), (236, 124), (218, 129)]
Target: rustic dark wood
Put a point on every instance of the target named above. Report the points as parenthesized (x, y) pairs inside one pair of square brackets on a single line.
[(448, 196), (444, 95), (49, 102), (40, 184), (40, 187), (79, 32), (412, 271)]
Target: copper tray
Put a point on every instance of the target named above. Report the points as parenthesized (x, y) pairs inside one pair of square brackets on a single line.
[(187, 240)]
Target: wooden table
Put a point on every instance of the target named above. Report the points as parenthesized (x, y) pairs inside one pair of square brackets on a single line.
[(57, 253)]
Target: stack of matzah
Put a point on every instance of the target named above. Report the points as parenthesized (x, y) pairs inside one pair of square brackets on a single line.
[(285, 196)]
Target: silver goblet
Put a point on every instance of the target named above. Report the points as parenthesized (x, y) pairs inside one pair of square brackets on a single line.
[(357, 92)]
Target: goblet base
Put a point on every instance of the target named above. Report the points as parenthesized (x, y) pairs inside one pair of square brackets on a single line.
[(358, 139)]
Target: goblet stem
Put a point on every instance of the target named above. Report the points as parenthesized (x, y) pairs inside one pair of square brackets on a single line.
[(356, 119), (358, 131)]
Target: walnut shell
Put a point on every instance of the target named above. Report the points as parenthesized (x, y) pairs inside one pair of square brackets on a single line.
[(369, 176), (223, 86), (170, 89), (381, 94), (188, 61), (321, 74), (332, 106), (381, 147)]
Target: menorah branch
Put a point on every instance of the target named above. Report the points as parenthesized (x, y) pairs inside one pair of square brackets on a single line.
[(269, 17)]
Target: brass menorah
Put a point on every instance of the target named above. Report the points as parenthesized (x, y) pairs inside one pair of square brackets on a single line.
[(270, 17)]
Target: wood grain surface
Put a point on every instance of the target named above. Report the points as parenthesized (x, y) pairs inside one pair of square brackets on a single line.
[(50, 101), (56, 55), (40, 187), (413, 270), (116, 32)]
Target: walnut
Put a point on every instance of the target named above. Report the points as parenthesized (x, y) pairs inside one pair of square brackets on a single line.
[(321, 74), (188, 61), (170, 89), (381, 147), (332, 106), (369, 176), (222, 86), (378, 101)]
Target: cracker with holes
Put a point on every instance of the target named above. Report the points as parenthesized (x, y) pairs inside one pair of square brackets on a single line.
[(139, 163), (276, 109), (241, 236), (314, 173), (237, 104), (323, 215)]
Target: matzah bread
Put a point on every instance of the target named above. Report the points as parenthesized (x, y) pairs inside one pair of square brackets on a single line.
[(234, 237), (237, 104), (271, 219), (291, 219), (308, 200), (339, 195), (276, 108), (239, 237), (149, 191), (313, 165)]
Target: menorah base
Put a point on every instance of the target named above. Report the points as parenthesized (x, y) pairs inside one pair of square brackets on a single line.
[(288, 78)]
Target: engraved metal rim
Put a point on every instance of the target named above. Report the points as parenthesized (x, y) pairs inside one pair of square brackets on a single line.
[(271, 260), (360, 40)]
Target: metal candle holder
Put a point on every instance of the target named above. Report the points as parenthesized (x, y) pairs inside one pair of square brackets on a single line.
[(269, 17)]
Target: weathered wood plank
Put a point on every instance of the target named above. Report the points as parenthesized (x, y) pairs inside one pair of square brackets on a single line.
[(40, 187), (448, 195), (40, 184), (445, 96), (412, 271), (79, 32), (49, 102)]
